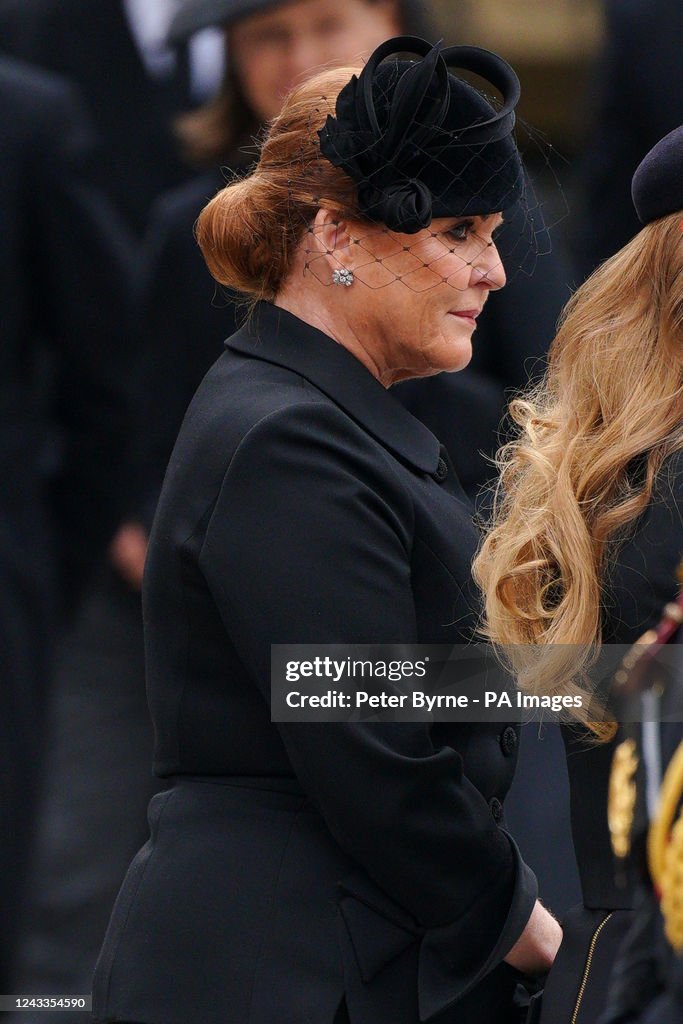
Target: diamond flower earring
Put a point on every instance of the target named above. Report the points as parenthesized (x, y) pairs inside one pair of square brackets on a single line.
[(342, 277)]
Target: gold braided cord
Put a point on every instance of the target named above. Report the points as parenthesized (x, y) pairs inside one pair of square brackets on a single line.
[(621, 801), (665, 851), (660, 829), (672, 887)]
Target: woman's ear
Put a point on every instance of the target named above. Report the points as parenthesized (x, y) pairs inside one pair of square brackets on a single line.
[(334, 241)]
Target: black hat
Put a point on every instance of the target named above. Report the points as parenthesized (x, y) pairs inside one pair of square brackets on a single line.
[(193, 15), (657, 187), (422, 143)]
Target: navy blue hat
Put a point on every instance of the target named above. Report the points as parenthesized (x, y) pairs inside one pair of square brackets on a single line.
[(657, 187), (420, 142)]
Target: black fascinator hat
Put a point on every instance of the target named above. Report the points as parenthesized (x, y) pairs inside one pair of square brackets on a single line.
[(657, 187), (420, 142)]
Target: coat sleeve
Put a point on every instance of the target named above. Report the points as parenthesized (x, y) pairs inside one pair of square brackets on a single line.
[(310, 542)]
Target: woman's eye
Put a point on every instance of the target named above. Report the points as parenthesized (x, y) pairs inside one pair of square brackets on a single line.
[(461, 231)]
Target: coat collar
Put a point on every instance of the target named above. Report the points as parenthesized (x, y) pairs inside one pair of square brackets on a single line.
[(279, 337)]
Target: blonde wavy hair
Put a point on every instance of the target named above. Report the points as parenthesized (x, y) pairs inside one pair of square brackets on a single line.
[(611, 403)]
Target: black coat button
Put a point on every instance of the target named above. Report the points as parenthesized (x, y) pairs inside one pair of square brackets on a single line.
[(496, 808), (441, 471), (508, 741)]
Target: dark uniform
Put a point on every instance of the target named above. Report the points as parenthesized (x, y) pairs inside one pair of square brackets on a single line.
[(641, 578), (646, 797), (293, 866)]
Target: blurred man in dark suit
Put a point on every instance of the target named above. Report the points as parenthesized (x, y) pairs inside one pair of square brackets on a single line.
[(133, 83), (63, 414)]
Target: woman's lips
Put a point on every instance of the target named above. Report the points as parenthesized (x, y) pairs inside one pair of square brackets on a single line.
[(467, 314)]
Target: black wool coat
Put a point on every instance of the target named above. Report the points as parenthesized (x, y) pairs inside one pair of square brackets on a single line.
[(293, 866)]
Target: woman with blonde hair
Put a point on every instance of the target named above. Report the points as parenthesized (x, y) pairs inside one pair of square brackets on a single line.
[(588, 531)]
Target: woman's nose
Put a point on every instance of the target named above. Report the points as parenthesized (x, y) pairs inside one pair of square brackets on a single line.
[(488, 267)]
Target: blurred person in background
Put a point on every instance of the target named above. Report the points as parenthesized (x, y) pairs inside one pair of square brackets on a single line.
[(63, 414), (638, 98), (133, 83)]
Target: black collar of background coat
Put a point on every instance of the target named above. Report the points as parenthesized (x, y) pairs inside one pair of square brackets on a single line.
[(279, 337)]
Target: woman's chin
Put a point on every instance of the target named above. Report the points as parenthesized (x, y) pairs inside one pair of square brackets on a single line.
[(457, 349)]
